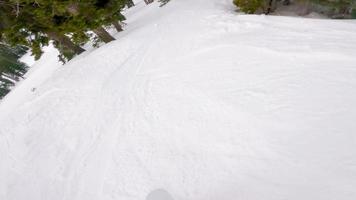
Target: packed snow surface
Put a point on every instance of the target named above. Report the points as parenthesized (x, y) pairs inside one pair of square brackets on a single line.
[(193, 101)]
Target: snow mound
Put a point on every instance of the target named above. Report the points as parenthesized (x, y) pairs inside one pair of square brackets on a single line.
[(192, 102)]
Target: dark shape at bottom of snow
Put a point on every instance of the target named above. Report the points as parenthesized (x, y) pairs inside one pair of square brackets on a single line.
[(159, 194)]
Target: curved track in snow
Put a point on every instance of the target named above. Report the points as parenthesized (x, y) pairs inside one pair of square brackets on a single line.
[(192, 102)]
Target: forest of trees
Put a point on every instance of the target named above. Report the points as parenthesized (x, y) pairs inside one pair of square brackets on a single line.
[(331, 8), (11, 69), (33, 23)]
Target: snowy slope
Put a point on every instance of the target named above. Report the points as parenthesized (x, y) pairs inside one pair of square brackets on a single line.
[(192, 102)]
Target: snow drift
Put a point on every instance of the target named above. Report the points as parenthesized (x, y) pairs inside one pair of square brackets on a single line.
[(191, 102)]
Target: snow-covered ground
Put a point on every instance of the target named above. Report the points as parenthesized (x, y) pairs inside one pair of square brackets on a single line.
[(191, 102)]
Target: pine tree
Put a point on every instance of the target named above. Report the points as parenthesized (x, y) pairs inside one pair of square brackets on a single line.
[(337, 9), (249, 6), (94, 14), (34, 23), (11, 70), (31, 25)]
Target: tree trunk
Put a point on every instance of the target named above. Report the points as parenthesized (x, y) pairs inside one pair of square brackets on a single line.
[(65, 41), (103, 34), (117, 26), (269, 7)]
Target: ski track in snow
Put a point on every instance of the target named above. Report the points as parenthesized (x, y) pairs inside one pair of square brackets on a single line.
[(193, 101)]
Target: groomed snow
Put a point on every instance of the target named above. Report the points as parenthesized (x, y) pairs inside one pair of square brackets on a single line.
[(191, 102)]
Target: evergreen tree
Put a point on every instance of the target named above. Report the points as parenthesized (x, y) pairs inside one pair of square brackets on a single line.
[(94, 14), (33, 23), (331, 8), (253, 6), (335, 8), (11, 70), (353, 13)]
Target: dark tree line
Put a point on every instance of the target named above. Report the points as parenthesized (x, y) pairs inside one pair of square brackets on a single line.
[(330, 8), (33, 23), (67, 23), (11, 70)]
